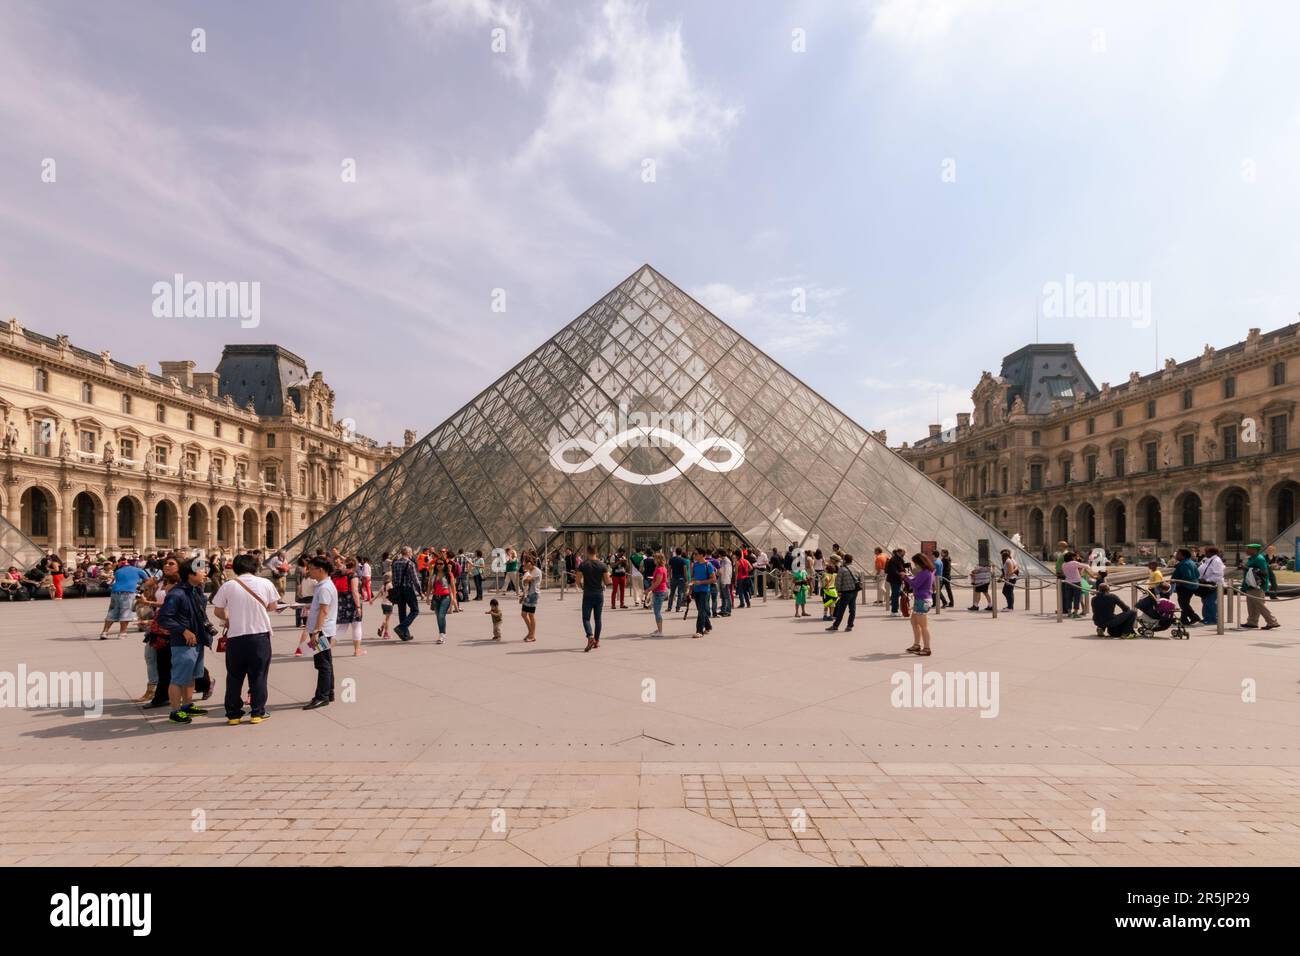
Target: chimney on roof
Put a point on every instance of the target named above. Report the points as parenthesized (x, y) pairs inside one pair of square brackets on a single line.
[(963, 419), (935, 430), (183, 372)]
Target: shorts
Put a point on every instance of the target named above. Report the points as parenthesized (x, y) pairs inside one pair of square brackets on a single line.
[(121, 606), (187, 664), (981, 589), (386, 608), (529, 609), (921, 606)]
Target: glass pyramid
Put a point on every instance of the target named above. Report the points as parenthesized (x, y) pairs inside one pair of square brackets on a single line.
[(16, 549), (647, 411)]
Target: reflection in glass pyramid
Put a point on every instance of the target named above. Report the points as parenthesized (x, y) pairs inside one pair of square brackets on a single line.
[(648, 411), (16, 549)]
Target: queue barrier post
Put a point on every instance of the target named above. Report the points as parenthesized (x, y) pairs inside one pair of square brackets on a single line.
[(1218, 590), (1059, 609)]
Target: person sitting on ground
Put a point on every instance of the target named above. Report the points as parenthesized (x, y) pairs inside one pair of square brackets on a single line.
[(1112, 614)]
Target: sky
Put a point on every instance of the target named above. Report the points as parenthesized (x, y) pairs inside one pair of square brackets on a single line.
[(426, 190)]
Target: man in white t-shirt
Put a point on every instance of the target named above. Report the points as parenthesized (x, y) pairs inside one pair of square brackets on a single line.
[(322, 621), (244, 603)]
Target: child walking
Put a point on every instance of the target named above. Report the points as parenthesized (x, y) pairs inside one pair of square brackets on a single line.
[(386, 605), (494, 612), (830, 594)]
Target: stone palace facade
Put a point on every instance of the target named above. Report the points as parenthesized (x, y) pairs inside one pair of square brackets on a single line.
[(101, 455), (1201, 451)]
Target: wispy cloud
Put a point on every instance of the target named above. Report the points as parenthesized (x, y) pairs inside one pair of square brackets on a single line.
[(627, 93), (785, 316), (510, 47)]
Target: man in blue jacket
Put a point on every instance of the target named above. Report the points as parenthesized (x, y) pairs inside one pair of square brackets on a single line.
[(185, 618)]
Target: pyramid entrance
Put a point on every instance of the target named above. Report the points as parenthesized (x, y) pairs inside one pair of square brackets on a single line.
[(646, 538)]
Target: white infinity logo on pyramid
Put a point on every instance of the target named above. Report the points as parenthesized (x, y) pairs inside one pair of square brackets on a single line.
[(602, 454)]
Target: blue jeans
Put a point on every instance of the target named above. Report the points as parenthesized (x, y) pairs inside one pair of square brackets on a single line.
[(742, 592), (676, 594), (439, 606), (713, 600), (726, 599), (895, 593), (1210, 606), (592, 605), (701, 612), (658, 598)]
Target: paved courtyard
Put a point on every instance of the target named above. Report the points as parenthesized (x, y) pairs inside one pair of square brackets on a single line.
[(770, 742)]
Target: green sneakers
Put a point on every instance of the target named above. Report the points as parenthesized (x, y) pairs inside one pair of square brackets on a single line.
[(193, 710), (179, 717)]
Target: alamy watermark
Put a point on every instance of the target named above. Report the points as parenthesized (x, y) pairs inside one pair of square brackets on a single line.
[(636, 429), (179, 299), (946, 689), (38, 690), (1085, 299)]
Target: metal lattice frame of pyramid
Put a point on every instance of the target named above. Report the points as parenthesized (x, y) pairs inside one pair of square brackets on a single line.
[(710, 431), (16, 549)]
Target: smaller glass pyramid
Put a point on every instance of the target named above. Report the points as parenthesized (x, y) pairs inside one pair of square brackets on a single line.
[(16, 549), (648, 411)]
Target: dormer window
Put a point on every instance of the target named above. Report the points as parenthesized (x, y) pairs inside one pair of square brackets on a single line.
[(1058, 386)]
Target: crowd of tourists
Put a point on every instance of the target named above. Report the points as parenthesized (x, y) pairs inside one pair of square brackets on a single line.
[(167, 595), (1188, 574)]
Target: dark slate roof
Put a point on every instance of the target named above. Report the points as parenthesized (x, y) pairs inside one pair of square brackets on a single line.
[(263, 373), (1038, 373)]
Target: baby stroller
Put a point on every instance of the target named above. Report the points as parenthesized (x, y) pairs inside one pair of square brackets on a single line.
[(1155, 613)]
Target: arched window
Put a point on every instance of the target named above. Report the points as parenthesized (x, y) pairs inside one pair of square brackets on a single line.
[(84, 509), (36, 513), (1234, 517), (320, 414), (1191, 519), (126, 518)]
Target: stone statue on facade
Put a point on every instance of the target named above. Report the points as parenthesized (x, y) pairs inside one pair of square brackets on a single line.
[(11, 436), (65, 445), (109, 454)]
